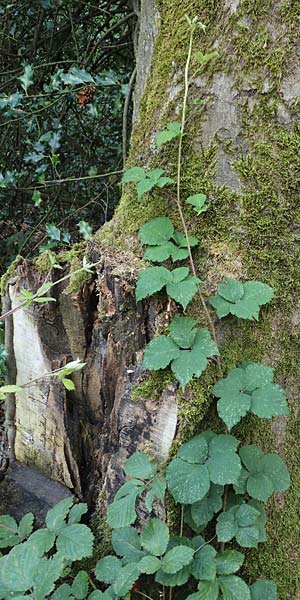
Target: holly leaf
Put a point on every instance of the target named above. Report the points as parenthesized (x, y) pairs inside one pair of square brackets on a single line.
[(26, 79), (85, 229)]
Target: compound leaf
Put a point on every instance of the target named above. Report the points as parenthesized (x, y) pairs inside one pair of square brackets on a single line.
[(140, 465), (156, 231), (184, 291), (175, 559), (246, 305), (233, 588), (152, 280), (173, 130), (187, 482), (107, 569), (135, 174), (155, 537), (55, 518), (229, 562), (159, 353), (197, 201), (149, 565), (182, 331), (126, 543), (75, 542), (80, 585), (127, 576)]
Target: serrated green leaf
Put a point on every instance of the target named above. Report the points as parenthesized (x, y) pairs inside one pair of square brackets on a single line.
[(179, 253), (25, 525), (203, 511), (231, 289), (75, 542), (97, 595), (149, 565), (155, 537), (208, 590), (229, 562), (159, 353), (188, 364), (269, 401), (268, 474), (152, 280), (255, 294), (127, 576), (233, 588), (194, 450), (175, 579), (126, 543), (177, 558), (204, 565), (184, 291), (173, 130), (48, 571), (76, 512), (134, 485), (233, 410), (144, 186), (42, 539), (198, 202), (183, 332), (224, 465), (80, 585), (107, 569), (121, 512), (9, 532), (140, 465), (187, 482), (55, 518), (157, 231), (157, 490), (263, 589), (181, 241), (161, 253), (135, 174), (20, 567), (63, 592), (226, 527)]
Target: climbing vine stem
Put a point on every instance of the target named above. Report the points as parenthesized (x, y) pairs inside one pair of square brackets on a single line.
[(193, 24)]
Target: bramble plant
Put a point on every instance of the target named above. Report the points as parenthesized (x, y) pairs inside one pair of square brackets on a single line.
[(218, 483)]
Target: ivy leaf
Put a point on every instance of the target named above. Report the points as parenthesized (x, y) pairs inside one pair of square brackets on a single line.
[(159, 353), (36, 198), (140, 465), (75, 542), (155, 537), (263, 588), (187, 482), (126, 543), (27, 78), (268, 474), (233, 587), (152, 280), (85, 229), (182, 331), (175, 559), (183, 291), (255, 294), (198, 202), (173, 130), (229, 562), (249, 388), (107, 569), (156, 231)]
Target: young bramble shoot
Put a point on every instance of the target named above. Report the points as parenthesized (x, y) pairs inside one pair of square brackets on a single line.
[(146, 180), (241, 299), (198, 202), (172, 131), (249, 388), (163, 241), (180, 285)]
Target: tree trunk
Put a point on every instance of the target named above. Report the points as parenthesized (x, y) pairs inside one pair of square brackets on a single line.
[(242, 150)]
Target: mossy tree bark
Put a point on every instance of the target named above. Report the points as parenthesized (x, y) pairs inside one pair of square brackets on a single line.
[(242, 150)]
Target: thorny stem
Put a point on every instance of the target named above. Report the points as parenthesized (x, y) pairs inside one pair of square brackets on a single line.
[(142, 594), (178, 196), (181, 520)]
